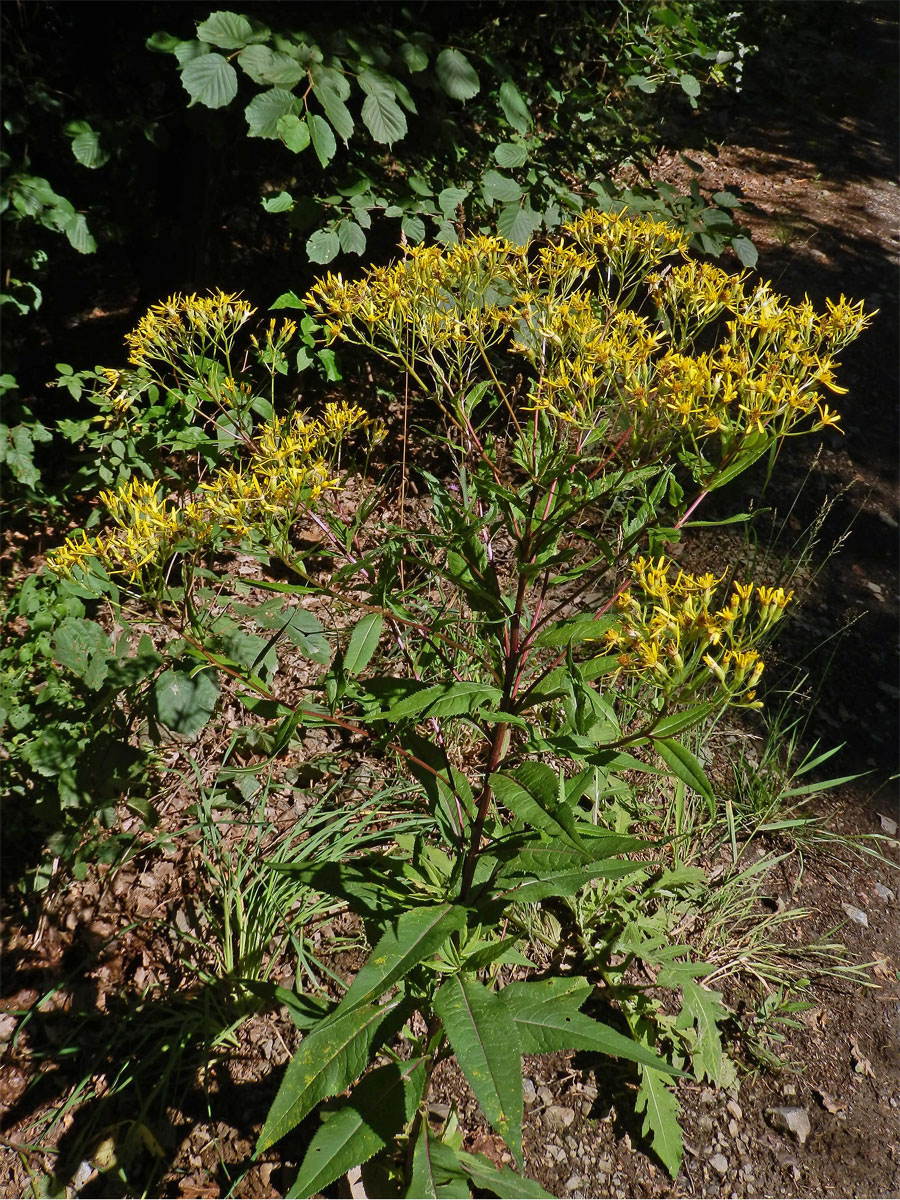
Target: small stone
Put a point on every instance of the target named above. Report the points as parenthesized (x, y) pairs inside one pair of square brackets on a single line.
[(707, 1096), (528, 1091), (705, 1123), (793, 1120), (545, 1096), (573, 1182), (733, 1128), (558, 1117), (735, 1109), (856, 914), (884, 892), (586, 1107), (719, 1164), (889, 826), (603, 1166)]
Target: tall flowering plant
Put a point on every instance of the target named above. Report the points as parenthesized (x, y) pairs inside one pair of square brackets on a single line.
[(518, 646)]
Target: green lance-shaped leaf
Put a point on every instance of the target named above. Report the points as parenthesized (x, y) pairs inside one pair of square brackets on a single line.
[(486, 1043), (566, 882), (547, 1018), (363, 643), (377, 1110), (657, 1102), (265, 110), (704, 1010), (500, 1180), (414, 936), (514, 107), (685, 766), (451, 699), (328, 1060), (210, 80), (436, 1170), (531, 793), (185, 702), (84, 648), (457, 76), (228, 30), (574, 631)]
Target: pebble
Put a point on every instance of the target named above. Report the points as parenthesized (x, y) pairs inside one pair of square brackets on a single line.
[(546, 1096), (855, 914), (573, 1182), (558, 1117), (528, 1091), (889, 826), (719, 1163), (884, 892), (794, 1120), (733, 1128), (735, 1109)]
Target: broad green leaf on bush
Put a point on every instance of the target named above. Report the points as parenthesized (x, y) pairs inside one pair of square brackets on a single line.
[(294, 132), (514, 107), (414, 56), (323, 246), (497, 187), (657, 1102), (414, 936), (265, 110), (383, 118), (690, 85), (547, 1018), (324, 145), (371, 1118), (264, 65), (436, 1170), (351, 237), (413, 228), (287, 300), (162, 42), (450, 699), (80, 237), (185, 702), (328, 1060), (86, 148), (292, 621), (705, 1011), (486, 1044), (747, 253), (643, 82), (518, 223), (333, 104), (511, 154), (450, 199), (186, 52), (457, 76), (685, 766), (502, 1181), (370, 886), (283, 202), (210, 80), (84, 648), (363, 643), (228, 30), (531, 793)]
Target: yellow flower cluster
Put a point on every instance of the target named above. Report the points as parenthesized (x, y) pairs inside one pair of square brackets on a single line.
[(289, 467), (674, 633), (595, 362), (186, 325)]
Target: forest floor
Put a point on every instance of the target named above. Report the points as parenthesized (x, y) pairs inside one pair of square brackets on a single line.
[(812, 153)]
